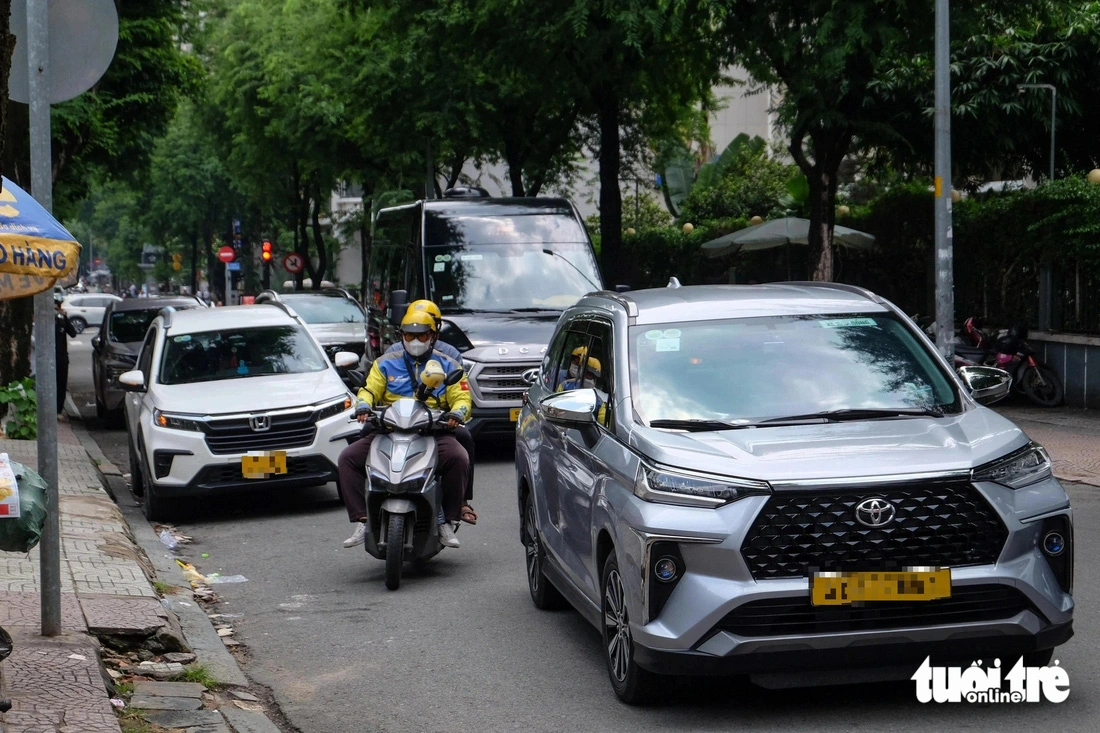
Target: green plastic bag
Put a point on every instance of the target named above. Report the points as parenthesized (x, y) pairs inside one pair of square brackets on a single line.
[(21, 534)]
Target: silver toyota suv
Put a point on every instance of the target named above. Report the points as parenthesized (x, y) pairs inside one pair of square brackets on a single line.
[(775, 478)]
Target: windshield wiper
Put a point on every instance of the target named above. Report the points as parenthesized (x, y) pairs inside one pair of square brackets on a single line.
[(858, 413), (568, 262), (695, 426), (542, 309)]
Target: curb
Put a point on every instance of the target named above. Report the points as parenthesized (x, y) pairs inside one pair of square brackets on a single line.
[(198, 629)]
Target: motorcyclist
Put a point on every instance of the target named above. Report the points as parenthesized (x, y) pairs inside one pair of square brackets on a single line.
[(462, 433), (392, 376)]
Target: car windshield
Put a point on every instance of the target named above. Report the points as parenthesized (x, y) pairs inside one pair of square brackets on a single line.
[(130, 326), (236, 354), (506, 277), (325, 309), (753, 369)]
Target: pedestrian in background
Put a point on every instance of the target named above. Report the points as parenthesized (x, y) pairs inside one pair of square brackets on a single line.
[(63, 328)]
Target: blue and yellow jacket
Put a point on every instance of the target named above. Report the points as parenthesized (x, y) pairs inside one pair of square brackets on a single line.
[(392, 376)]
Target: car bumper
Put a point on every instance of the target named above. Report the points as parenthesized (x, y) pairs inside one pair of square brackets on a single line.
[(181, 464), (492, 423), (963, 644)]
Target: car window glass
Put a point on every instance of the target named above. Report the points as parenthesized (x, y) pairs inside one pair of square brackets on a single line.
[(325, 309), (552, 358), (571, 360), (130, 326), (598, 369), (394, 235), (145, 359), (239, 353)]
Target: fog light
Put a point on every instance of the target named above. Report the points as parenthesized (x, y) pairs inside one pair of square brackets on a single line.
[(665, 569), (1054, 544)]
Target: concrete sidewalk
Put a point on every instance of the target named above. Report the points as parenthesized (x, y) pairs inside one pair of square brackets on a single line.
[(60, 684), (1070, 434)]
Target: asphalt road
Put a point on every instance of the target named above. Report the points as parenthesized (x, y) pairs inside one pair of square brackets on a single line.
[(460, 647)]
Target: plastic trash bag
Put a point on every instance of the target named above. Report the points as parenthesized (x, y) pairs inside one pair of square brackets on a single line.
[(22, 533)]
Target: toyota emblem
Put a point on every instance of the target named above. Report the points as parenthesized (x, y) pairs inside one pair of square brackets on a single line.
[(875, 512)]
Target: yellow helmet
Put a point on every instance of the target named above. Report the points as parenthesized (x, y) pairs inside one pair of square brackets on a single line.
[(426, 306), (580, 352), (432, 375), (593, 366), (418, 322)]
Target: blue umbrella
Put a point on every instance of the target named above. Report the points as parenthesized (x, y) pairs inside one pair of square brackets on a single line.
[(35, 250)]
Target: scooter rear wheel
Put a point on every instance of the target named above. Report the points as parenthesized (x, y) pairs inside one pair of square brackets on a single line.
[(395, 550)]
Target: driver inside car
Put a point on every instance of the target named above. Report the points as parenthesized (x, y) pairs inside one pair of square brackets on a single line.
[(392, 376)]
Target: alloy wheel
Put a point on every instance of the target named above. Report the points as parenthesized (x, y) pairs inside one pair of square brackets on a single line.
[(534, 550), (616, 626)]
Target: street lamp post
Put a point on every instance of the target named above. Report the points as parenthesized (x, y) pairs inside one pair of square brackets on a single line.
[(1053, 114)]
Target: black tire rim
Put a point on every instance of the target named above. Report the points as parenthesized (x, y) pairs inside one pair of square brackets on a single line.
[(616, 626), (534, 551), (1042, 385)]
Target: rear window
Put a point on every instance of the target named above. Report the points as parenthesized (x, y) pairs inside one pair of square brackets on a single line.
[(239, 354), (130, 326)]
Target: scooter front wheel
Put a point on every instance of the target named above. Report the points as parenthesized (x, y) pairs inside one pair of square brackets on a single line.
[(395, 550), (1042, 386)]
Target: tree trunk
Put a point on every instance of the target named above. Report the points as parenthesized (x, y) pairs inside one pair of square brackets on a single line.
[(611, 198), (829, 148), (318, 239), (515, 166)]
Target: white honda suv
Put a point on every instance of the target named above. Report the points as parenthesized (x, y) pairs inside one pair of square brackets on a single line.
[(233, 398)]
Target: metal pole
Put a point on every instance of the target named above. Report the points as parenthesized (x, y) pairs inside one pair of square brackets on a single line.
[(1053, 122), (945, 295), (38, 80)]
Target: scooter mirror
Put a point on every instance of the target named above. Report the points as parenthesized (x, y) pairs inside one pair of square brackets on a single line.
[(453, 377), (399, 303)]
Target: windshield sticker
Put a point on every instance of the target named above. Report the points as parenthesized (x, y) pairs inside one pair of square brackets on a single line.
[(184, 339), (668, 344), (672, 333), (470, 258), (847, 322), (448, 297), (654, 334), (446, 258), (439, 258), (439, 267)]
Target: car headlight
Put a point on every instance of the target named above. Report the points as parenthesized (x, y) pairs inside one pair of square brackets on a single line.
[(177, 422), (335, 408), (664, 487), (1018, 469), (467, 366)]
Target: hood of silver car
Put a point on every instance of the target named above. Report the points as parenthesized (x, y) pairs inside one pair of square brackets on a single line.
[(884, 447)]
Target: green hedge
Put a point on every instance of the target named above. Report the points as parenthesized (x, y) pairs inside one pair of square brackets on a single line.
[(655, 255)]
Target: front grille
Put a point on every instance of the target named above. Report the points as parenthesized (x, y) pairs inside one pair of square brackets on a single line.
[(502, 383), (230, 473), (235, 435), (935, 525), (789, 616)]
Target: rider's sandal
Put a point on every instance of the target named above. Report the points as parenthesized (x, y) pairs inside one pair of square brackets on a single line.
[(469, 516)]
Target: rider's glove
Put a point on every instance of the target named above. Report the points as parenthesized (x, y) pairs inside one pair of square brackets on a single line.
[(363, 409), (448, 416)]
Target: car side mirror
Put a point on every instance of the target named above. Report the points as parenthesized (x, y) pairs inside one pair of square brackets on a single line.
[(399, 303), (453, 377), (355, 379), (344, 359), (132, 381), (985, 384), (576, 407), (97, 342)]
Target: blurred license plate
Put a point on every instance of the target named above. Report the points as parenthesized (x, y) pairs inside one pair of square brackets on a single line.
[(842, 589), (513, 415), (263, 465)]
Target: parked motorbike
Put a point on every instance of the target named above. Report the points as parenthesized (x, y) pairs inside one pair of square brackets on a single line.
[(1011, 352), (404, 497)]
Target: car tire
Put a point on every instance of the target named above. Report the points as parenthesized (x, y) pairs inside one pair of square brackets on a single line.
[(543, 593), (100, 410), (78, 324), (154, 506), (632, 684), (137, 482), (1040, 658)]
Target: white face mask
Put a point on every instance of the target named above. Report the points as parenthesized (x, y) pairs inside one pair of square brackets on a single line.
[(418, 348), (573, 368), (588, 384)]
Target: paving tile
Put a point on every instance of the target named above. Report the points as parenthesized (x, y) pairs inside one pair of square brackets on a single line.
[(24, 610), (169, 689), (123, 615), (184, 718), (155, 702)]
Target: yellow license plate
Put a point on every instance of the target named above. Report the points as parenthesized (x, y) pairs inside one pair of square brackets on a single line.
[(843, 589), (263, 465), (513, 415)]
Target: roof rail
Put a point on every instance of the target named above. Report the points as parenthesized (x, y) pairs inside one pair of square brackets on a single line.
[(855, 289), (630, 306), (269, 291), (281, 305), (166, 313)]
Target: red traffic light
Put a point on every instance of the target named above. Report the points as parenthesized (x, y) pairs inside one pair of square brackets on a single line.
[(267, 254)]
